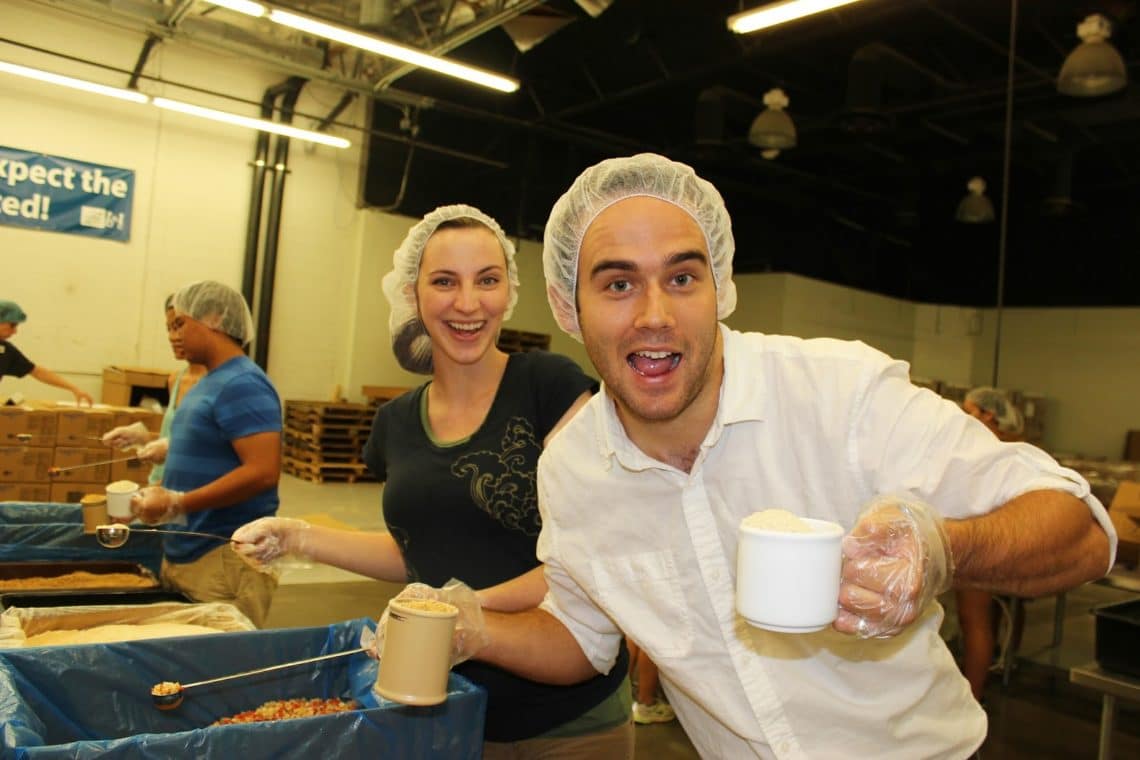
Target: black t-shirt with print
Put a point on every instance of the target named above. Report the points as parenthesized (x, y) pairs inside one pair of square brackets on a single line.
[(469, 510), (12, 362)]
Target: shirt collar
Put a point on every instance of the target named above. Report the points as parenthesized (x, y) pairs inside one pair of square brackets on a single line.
[(741, 400)]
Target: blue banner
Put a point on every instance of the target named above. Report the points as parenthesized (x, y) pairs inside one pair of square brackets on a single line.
[(64, 195)]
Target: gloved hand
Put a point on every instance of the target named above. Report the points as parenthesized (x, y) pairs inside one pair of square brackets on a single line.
[(269, 538), (155, 505), (896, 559), (126, 436), (155, 451), (470, 629)]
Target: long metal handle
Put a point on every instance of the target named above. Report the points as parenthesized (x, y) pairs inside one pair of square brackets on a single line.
[(282, 666), (188, 533), (52, 470)]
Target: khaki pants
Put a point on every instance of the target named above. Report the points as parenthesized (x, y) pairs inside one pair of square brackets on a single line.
[(614, 744), (220, 575)]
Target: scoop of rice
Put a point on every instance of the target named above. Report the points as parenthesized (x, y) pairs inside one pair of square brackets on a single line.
[(778, 520)]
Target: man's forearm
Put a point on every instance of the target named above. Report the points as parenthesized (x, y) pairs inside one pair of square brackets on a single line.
[(238, 485), (1039, 543), (534, 644)]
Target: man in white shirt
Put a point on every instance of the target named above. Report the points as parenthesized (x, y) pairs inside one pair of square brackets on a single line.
[(699, 426)]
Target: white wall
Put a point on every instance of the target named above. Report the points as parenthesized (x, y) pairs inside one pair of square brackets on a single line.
[(94, 302)]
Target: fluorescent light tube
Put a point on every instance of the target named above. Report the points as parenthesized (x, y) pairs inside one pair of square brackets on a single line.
[(246, 121), (777, 13), (133, 96), (248, 7), (393, 50)]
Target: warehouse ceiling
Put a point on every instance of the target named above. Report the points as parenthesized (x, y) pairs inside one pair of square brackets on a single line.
[(897, 104)]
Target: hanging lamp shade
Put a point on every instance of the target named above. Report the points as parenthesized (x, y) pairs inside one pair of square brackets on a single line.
[(1094, 67), (773, 128), (975, 208)]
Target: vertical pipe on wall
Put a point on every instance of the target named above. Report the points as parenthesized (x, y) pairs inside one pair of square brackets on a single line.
[(273, 226)]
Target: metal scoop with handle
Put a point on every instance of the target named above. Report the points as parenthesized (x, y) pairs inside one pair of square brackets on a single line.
[(115, 535), (168, 695)]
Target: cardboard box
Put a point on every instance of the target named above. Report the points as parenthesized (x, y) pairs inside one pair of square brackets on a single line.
[(128, 415), (73, 456), (1125, 514), (126, 386), (27, 426), (25, 492), (25, 464), (71, 493), (83, 427), (130, 470)]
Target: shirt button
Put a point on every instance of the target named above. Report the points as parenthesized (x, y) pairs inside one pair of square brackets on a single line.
[(715, 575)]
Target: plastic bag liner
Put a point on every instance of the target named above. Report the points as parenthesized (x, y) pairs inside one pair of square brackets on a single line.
[(94, 701), (40, 531), (18, 624)]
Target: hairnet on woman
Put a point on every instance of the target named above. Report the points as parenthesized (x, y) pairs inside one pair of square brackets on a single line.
[(410, 340)]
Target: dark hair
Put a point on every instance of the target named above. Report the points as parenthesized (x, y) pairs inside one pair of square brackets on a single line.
[(169, 303)]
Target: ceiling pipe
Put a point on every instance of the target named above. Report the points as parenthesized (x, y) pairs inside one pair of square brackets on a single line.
[(140, 64)]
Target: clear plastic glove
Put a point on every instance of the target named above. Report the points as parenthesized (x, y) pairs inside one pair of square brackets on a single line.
[(470, 629), (896, 559), (127, 436), (155, 451), (267, 539), (155, 505)]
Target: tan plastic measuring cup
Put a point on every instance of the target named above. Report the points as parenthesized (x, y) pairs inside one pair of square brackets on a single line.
[(416, 656)]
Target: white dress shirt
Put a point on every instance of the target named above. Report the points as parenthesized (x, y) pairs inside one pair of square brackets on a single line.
[(817, 427)]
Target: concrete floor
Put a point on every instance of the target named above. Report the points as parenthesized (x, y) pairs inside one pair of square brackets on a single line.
[(1037, 714)]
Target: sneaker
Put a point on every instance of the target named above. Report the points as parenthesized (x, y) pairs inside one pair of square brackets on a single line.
[(658, 712)]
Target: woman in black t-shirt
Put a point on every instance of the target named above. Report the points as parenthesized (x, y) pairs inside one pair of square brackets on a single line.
[(458, 456)]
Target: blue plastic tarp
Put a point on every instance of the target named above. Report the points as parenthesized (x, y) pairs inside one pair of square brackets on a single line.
[(31, 531), (94, 701)]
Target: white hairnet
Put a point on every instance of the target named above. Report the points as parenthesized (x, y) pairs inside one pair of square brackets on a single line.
[(410, 341), (218, 307), (616, 179), (1006, 416)]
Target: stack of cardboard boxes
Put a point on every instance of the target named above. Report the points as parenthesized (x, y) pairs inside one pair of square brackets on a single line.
[(36, 437)]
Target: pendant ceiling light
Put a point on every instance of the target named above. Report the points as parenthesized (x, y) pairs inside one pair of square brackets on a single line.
[(1094, 67), (975, 208), (773, 128)]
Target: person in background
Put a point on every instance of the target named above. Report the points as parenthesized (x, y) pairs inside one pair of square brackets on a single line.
[(13, 363), (224, 458), (152, 446), (458, 456), (976, 606), (648, 707), (697, 426)]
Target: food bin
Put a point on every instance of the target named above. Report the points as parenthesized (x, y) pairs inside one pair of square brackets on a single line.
[(24, 572), (1117, 636), (83, 701), (43, 531), (18, 624)]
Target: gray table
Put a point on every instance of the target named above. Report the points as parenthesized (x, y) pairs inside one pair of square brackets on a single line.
[(1110, 685)]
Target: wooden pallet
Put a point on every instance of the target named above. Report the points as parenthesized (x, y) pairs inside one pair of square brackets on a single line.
[(327, 471), (323, 456)]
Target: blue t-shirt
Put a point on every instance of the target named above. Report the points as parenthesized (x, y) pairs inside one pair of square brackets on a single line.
[(232, 401)]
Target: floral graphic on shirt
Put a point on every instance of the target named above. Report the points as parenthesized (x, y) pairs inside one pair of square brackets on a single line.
[(502, 483)]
